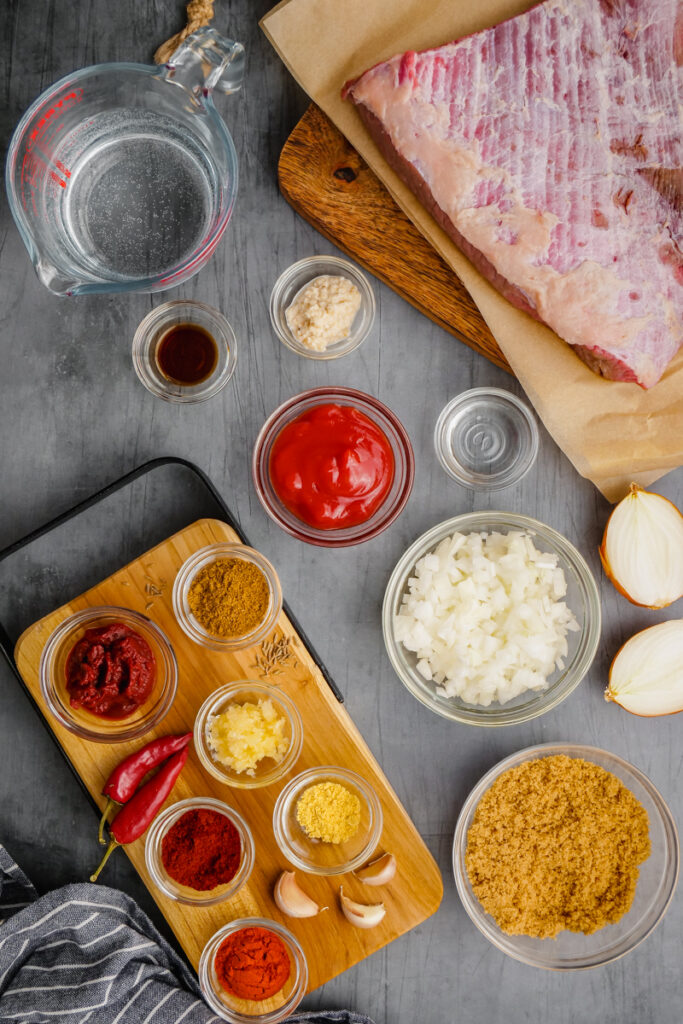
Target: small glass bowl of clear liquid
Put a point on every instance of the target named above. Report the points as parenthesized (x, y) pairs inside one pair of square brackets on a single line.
[(486, 439)]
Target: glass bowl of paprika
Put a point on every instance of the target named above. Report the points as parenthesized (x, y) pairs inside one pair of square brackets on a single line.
[(108, 674), (199, 851), (248, 734), (253, 971), (227, 597)]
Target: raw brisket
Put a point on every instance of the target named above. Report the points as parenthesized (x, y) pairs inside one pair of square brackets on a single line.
[(549, 149)]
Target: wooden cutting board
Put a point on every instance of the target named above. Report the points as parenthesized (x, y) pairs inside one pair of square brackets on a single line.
[(322, 176), (330, 737)]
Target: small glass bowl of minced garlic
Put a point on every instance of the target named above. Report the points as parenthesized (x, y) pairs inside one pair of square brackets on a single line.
[(327, 820), (322, 307), (248, 734)]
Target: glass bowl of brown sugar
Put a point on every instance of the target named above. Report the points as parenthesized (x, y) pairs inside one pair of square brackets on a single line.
[(227, 597), (655, 876)]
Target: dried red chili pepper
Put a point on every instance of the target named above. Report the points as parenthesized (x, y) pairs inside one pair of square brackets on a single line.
[(126, 777), (136, 816)]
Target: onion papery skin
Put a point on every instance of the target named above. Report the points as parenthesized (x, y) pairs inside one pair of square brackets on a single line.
[(654, 534), (646, 675)]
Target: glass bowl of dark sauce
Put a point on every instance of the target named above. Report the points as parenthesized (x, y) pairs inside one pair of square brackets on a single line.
[(184, 351)]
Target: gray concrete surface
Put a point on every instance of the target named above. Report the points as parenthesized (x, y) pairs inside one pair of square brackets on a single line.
[(73, 417)]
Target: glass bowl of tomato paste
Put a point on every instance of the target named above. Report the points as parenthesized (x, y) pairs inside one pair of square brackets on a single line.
[(270, 976), (199, 851), (333, 466), (108, 674)]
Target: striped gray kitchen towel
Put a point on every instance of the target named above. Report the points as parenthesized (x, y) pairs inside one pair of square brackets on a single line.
[(88, 953)]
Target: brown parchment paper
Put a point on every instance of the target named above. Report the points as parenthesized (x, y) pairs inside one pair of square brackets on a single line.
[(613, 433)]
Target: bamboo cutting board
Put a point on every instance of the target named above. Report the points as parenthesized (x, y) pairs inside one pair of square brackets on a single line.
[(330, 737), (322, 176)]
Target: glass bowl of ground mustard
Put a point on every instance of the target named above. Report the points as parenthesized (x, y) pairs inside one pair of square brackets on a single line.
[(248, 734), (227, 597), (327, 820), (253, 971), (565, 856)]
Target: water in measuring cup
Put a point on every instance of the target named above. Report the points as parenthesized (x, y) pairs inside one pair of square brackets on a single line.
[(140, 196)]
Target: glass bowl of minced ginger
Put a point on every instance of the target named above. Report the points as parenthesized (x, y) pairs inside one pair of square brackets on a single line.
[(589, 863)]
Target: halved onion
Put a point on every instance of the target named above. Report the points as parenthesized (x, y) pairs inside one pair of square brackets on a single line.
[(646, 676), (642, 549)]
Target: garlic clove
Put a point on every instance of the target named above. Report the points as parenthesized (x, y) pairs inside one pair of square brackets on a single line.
[(378, 872), (642, 549), (362, 915), (291, 899), (646, 676)]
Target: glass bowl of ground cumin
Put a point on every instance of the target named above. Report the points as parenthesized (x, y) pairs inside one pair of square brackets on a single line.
[(227, 597), (199, 851), (248, 734), (565, 856), (327, 820), (253, 971)]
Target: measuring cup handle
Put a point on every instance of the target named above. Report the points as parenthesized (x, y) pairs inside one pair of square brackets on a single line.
[(205, 61)]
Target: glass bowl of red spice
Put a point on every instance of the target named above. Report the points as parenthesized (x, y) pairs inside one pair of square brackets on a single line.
[(199, 851), (227, 597), (312, 851), (248, 734), (333, 466), (253, 971), (108, 674)]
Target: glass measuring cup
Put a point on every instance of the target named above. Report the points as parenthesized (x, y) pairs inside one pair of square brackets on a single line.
[(122, 177)]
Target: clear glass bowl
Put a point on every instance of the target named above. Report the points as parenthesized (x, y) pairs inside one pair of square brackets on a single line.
[(153, 329), (382, 417), (267, 770), (246, 1011), (313, 855), (582, 597), (486, 438), (183, 893), (295, 278), (183, 582), (83, 723), (572, 951)]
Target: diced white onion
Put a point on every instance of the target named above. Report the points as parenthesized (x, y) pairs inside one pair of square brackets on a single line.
[(484, 616)]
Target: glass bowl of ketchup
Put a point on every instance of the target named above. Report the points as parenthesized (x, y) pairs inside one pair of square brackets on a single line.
[(184, 351), (333, 466), (108, 674)]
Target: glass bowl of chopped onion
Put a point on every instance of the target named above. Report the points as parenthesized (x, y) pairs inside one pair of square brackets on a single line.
[(248, 734), (327, 820), (657, 874), (491, 618)]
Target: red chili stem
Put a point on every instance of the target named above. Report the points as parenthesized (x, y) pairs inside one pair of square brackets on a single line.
[(110, 849), (126, 777), (110, 804)]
